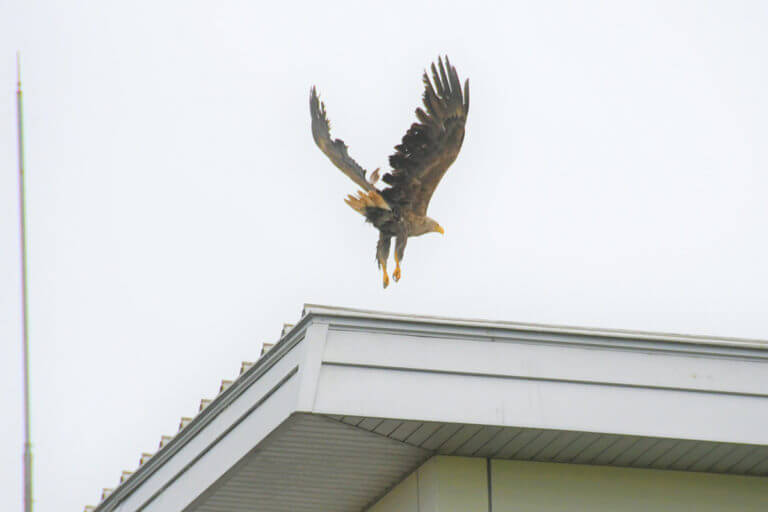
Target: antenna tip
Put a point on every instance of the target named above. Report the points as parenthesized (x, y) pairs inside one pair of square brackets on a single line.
[(18, 68)]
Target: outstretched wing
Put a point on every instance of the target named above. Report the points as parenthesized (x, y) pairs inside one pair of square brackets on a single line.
[(335, 150), (430, 146)]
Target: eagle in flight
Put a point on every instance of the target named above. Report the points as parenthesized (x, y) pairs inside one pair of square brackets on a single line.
[(427, 151)]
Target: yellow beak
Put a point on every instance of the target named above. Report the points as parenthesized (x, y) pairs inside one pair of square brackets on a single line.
[(440, 229)]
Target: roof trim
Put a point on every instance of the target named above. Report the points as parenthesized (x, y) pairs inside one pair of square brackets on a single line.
[(734, 342), (204, 417), (508, 334)]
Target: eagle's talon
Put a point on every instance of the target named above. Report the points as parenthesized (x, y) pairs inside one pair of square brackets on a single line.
[(386, 280), (396, 274)]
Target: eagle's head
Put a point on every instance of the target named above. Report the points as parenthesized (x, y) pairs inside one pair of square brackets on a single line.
[(426, 225)]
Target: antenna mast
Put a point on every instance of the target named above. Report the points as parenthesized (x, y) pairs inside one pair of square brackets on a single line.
[(24, 322)]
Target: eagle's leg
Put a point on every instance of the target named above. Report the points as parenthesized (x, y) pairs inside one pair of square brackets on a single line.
[(382, 253), (400, 242), (386, 277)]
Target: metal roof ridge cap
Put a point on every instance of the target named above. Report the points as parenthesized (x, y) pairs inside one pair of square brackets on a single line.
[(318, 309)]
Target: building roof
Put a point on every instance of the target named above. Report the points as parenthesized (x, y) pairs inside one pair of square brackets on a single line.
[(342, 312), (348, 402)]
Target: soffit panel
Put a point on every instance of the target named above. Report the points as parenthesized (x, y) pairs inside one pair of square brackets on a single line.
[(546, 445)]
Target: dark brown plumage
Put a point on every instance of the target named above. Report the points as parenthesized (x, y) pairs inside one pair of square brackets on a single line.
[(419, 163)]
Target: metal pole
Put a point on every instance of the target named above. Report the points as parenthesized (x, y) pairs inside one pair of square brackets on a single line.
[(24, 322)]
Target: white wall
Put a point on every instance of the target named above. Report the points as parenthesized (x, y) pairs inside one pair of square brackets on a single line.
[(440, 484), (459, 484), (536, 486)]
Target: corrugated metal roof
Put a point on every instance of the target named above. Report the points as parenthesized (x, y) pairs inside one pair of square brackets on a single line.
[(165, 439), (184, 422), (225, 383), (245, 366)]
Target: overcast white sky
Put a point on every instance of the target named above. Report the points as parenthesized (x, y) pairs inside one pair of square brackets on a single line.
[(613, 175)]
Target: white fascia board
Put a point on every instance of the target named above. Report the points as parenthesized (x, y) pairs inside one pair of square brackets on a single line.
[(313, 347), (479, 400), (419, 368), (256, 404), (182, 484), (428, 322), (524, 359)]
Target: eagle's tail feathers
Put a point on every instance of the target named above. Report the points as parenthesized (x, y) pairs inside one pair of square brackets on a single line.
[(365, 200)]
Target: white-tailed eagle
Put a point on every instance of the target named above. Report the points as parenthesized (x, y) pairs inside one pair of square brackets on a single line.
[(427, 151)]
